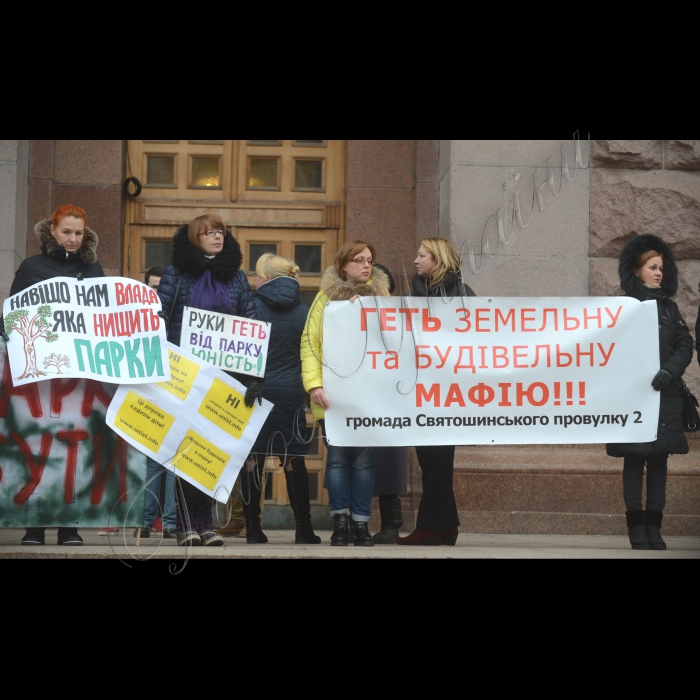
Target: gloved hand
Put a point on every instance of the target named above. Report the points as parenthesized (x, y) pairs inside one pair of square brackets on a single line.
[(662, 379), (254, 392), (2, 330)]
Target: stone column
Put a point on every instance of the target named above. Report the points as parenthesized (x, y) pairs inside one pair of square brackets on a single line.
[(392, 201), (479, 183), (88, 174), (14, 175), (392, 198)]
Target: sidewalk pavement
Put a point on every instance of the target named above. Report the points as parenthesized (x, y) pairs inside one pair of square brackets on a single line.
[(281, 546)]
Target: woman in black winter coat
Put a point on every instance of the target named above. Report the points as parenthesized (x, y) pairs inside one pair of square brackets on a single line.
[(648, 272), (205, 274), (278, 301), (68, 249), (438, 269)]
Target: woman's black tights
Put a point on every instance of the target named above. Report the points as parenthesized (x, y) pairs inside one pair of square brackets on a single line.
[(633, 477)]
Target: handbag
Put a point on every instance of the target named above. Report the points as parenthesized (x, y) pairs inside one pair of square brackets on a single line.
[(691, 418)]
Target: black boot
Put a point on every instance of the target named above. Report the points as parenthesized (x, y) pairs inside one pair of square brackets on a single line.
[(298, 490), (34, 536), (653, 520), (637, 531), (390, 510), (339, 538), (351, 528), (362, 535), (251, 491)]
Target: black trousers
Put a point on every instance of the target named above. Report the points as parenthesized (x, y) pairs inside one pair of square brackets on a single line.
[(633, 477), (438, 509)]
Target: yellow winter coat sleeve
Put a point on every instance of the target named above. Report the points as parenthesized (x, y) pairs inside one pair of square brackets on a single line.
[(311, 350)]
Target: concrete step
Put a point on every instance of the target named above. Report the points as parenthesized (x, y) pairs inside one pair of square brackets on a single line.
[(523, 522)]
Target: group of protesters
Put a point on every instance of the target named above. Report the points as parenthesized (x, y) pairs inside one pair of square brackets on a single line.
[(206, 273)]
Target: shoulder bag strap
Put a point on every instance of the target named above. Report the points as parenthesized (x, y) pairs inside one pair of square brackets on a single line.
[(172, 308)]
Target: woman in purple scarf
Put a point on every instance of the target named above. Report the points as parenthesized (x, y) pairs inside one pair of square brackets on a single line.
[(206, 274)]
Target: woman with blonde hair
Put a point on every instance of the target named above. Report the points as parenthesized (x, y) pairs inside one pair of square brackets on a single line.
[(438, 274), (349, 470), (278, 301)]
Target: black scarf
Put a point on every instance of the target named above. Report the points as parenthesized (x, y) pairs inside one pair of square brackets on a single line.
[(450, 286)]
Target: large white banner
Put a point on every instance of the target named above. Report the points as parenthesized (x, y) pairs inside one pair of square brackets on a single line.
[(196, 424), (232, 343), (103, 328), (490, 371)]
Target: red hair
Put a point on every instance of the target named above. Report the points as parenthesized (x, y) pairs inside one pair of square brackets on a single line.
[(68, 210)]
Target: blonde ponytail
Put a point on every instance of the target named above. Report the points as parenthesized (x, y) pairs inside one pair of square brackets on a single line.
[(271, 265)]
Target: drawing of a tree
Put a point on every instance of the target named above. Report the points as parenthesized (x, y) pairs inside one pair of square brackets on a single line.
[(57, 361), (31, 330)]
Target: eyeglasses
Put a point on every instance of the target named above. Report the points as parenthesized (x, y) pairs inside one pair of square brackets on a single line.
[(362, 261), (211, 233)]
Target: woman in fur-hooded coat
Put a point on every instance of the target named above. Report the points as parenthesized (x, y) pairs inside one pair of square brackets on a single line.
[(191, 262), (333, 288), (648, 272), (349, 470), (55, 261), (78, 258), (208, 271)]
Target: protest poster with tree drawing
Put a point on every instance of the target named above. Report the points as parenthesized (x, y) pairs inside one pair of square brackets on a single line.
[(31, 330)]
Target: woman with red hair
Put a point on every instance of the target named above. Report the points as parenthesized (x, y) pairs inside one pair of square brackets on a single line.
[(68, 249)]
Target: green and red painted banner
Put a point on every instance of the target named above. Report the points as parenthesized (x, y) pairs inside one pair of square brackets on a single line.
[(60, 465), (104, 328)]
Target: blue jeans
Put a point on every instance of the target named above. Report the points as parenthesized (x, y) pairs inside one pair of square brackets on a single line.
[(349, 479), (170, 507)]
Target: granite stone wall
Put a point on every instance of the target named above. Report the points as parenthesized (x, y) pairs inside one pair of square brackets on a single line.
[(569, 248), (14, 163), (545, 253), (392, 198), (87, 173), (647, 187)]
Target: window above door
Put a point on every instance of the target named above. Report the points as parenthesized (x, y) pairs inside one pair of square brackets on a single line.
[(239, 170)]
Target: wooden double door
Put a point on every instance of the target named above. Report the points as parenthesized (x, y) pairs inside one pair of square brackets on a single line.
[(284, 197)]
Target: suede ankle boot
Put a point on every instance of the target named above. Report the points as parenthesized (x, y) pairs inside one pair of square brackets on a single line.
[(652, 519), (251, 489), (298, 491), (390, 511), (232, 526), (637, 530), (339, 538)]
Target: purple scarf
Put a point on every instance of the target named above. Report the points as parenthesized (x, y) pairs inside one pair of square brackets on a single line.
[(210, 294)]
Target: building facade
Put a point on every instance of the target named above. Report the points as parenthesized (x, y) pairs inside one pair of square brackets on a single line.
[(532, 218)]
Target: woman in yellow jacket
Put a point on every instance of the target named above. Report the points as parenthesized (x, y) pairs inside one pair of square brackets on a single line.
[(349, 470)]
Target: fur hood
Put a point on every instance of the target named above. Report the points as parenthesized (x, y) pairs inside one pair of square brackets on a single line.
[(87, 252), (340, 290), (630, 283), (188, 258)]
